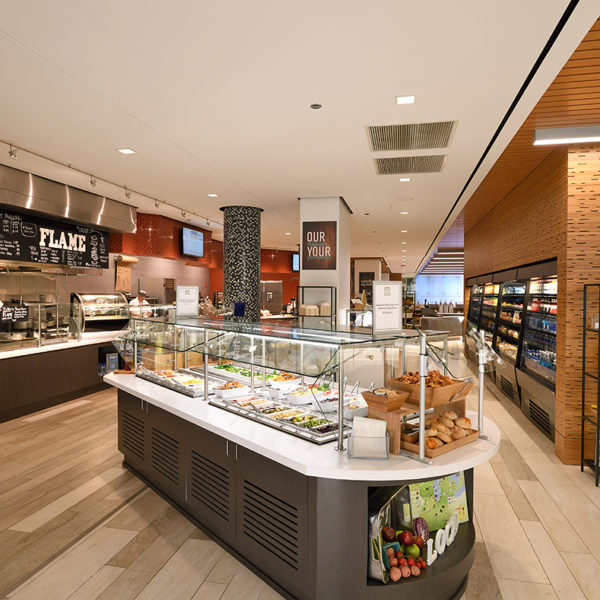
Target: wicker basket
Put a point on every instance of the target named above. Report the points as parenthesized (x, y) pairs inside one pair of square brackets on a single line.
[(393, 400)]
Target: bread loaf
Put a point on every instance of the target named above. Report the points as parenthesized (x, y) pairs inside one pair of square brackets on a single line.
[(450, 414), (463, 422), (447, 422)]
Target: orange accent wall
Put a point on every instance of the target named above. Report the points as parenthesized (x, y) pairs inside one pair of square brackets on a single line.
[(160, 236)]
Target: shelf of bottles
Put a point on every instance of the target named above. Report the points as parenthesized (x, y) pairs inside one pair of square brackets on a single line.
[(538, 355), (509, 320), (475, 305), (489, 306)]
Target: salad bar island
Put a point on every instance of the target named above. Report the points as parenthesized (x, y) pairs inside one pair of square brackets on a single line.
[(249, 454)]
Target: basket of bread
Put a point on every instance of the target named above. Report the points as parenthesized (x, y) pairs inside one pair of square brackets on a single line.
[(439, 389), (443, 432), (385, 399)]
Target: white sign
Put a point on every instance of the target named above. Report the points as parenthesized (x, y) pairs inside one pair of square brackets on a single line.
[(387, 306), (443, 539), (187, 300)]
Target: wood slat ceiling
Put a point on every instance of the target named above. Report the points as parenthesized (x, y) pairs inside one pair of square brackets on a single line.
[(573, 99)]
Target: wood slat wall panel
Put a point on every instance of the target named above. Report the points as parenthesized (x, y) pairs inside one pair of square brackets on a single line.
[(573, 99)]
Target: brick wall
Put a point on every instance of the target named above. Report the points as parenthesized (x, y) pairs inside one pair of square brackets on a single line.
[(553, 213)]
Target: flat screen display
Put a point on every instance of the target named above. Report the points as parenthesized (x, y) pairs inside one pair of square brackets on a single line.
[(192, 242), (295, 262)]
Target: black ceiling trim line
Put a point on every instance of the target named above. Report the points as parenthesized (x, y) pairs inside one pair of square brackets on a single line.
[(547, 47)]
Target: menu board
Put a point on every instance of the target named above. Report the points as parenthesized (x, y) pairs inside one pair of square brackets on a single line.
[(14, 313), (29, 238)]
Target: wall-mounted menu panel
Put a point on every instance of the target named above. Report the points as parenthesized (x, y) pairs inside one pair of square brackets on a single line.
[(29, 238)]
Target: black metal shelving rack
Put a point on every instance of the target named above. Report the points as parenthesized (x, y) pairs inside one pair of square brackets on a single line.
[(589, 416), (475, 301)]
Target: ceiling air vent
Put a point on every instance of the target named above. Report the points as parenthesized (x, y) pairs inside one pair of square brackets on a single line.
[(399, 165), (414, 136)]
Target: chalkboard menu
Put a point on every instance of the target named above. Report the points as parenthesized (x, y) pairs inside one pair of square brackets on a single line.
[(29, 238), (14, 313)]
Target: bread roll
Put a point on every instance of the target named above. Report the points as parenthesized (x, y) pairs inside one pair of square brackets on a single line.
[(438, 441), (458, 433), (441, 428), (431, 443), (450, 414), (445, 437), (447, 422), (463, 422), (431, 432)]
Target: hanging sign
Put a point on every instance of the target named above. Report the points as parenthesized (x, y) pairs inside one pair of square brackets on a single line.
[(319, 245), (30, 238)]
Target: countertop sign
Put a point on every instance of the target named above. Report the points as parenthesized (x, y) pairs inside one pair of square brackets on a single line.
[(319, 243), (14, 314), (30, 238), (387, 306)]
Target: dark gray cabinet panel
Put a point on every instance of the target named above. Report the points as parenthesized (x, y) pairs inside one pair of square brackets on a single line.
[(133, 432), (166, 453), (271, 513), (210, 472)]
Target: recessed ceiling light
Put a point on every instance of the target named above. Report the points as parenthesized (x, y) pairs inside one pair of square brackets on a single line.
[(125, 150), (287, 233), (403, 250), (374, 231), (405, 99), (404, 231), (213, 195), (403, 212), (367, 214), (404, 179), (316, 106), (404, 242)]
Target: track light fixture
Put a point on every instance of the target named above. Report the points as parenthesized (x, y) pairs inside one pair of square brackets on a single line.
[(183, 214), (157, 203), (127, 193), (93, 181), (207, 223), (12, 152)]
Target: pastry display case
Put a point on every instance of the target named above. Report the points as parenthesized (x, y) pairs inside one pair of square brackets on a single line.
[(475, 305), (102, 312), (508, 332)]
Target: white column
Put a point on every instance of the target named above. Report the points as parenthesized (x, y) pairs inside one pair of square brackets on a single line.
[(323, 210)]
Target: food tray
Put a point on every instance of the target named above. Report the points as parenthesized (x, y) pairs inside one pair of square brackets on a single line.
[(232, 392), (433, 396), (435, 452), (287, 384)]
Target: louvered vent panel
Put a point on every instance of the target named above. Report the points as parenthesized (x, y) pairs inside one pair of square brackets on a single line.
[(210, 485), (507, 387), (413, 136), (271, 522), (165, 455), (540, 417), (132, 437), (400, 165)]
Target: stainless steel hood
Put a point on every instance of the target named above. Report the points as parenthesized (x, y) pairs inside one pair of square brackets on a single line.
[(25, 190)]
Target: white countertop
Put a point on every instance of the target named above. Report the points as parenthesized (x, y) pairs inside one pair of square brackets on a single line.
[(92, 337), (298, 454)]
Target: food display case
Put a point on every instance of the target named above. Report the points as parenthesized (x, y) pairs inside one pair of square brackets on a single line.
[(509, 320), (475, 305), (296, 380), (35, 324), (102, 312)]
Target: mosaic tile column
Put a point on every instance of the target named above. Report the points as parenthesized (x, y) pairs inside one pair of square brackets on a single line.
[(241, 258)]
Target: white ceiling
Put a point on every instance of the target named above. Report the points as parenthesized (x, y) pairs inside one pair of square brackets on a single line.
[(214, 97)]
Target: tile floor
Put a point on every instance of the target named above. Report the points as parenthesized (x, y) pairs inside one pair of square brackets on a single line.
[(75, 525)]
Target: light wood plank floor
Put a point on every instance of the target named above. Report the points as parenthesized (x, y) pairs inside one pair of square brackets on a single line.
[(75, 525)]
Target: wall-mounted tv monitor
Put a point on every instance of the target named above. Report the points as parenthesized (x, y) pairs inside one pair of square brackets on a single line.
[(295, 261), (192, 242)]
